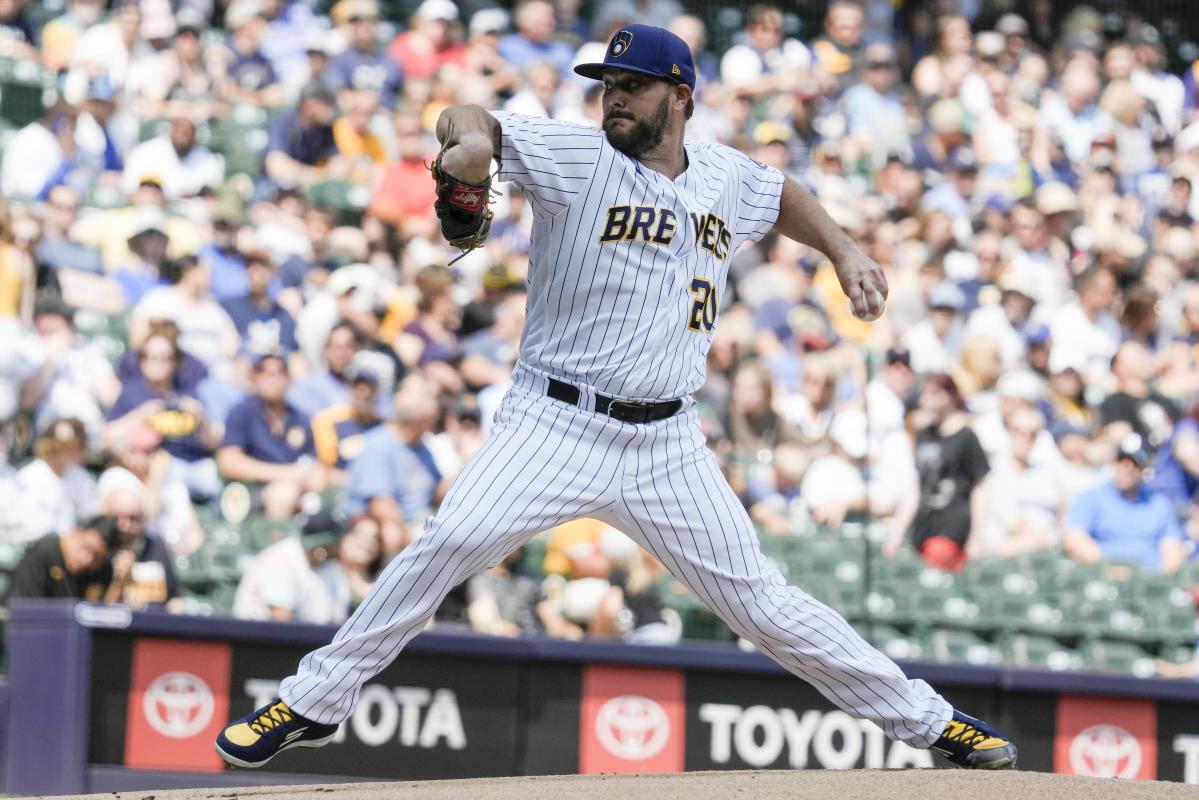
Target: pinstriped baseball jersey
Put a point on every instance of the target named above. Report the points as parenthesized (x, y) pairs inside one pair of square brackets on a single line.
[(628, 266), (625, 275)]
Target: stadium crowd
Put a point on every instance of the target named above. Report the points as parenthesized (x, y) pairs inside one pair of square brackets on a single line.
[(225, 295)]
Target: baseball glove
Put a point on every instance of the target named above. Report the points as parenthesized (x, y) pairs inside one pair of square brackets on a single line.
[(462, 208)]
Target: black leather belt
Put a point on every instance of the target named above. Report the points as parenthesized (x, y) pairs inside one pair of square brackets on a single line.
[(622, 410)]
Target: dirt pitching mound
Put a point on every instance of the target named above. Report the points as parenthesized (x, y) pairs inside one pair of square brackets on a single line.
[(768, 785)]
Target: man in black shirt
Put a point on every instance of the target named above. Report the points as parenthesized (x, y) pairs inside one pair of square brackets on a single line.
[(142, 574), (942, 507), (72, 565), (1135, 407)]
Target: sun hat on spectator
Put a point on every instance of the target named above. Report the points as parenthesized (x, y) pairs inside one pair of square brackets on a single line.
[(346, 10), (1179, 244), (1019, 385), (989, 44), (117, 479), (242, 12), (947, 116), (1012, 25), (1187, 139), (318, 42), (848, 431), (946, 295), (189, 19), (438, 9), (351, 278), (1122, 241), (488, 20), (148, 219), (1055, 198), (771, 131), (158, 22), (1019, 281)]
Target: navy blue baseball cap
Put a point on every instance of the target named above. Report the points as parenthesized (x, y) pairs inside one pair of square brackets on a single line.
[(648, 50)]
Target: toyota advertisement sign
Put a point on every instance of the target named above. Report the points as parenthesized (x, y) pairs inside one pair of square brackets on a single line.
[(158, 702), (178, 702)]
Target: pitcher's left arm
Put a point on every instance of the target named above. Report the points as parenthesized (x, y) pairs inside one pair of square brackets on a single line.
[(802, 218)]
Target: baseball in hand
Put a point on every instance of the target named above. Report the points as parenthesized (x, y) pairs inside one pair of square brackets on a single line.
[(875, 303)]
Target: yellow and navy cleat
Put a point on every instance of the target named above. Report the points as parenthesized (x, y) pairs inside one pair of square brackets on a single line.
[(256, 738), (971, 743)]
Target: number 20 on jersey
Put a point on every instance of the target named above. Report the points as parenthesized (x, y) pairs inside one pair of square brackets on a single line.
[(703, 307)]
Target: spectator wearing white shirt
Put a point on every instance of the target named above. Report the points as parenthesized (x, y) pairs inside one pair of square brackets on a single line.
[(887, 394), (936, 341), (1153, 81), (64, 375), (1018, 391), (1085, 332), (833, 486), (956, 196), (1026, 501), (107, 49), (56, 490), (766, 62), (182, 166), (1073, 116), (32, 156), (538, 98), (282, 584), (873, 108), (205, 329), (1004, 322)]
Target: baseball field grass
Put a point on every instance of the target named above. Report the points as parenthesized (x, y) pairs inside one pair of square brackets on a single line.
[(768, 785)]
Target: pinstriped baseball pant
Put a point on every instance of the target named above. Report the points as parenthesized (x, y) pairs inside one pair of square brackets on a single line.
[(546, 463)]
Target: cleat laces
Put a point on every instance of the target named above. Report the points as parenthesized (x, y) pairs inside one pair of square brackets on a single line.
[(965, 733), (271, 718)]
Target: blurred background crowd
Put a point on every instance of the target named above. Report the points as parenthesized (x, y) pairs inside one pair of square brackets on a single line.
[(240, 372)]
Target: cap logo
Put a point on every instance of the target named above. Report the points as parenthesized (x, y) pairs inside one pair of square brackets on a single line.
[(674, 70), (620, 44)]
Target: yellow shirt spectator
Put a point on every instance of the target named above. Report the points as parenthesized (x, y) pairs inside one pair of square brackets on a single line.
[(352, 144), (108, 231), (568, 538)]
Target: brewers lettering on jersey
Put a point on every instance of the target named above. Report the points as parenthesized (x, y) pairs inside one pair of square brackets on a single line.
[(634, 228)]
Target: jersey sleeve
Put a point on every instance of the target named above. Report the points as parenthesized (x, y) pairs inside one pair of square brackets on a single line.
[(551, 161), (761, 194)]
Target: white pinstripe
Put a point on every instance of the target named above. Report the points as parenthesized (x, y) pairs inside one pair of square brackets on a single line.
[(612, 319)]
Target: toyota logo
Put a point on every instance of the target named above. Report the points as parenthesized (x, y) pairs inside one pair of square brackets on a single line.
[(178, 704), (1105, 751), (632, 727)]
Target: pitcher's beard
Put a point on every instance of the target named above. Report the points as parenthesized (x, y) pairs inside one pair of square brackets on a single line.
[(645, 135)]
